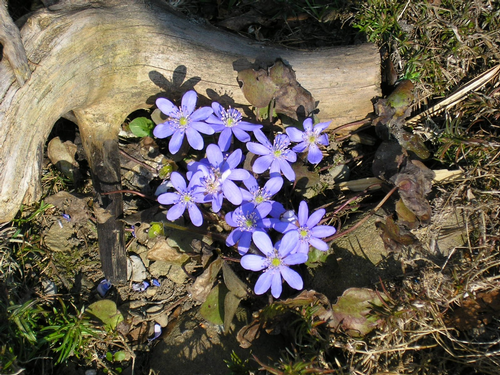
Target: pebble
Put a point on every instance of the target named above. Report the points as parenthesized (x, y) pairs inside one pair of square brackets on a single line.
[(151, 291), (136, 270)]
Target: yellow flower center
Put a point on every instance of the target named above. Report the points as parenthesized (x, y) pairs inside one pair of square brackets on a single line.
[(275, 262), (183, 121)]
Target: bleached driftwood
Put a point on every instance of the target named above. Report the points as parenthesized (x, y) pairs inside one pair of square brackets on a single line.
[(109, 58)]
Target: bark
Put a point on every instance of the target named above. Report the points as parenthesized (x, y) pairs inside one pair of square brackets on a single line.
[(107, 59), (12, 46)]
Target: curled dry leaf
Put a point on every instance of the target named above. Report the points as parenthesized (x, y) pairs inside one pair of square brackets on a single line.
[(279, 83), (406, 216), (162, 251), (206, 251), (415, 182), (393, 236), (203, 284), (412, 143), (476, 312)]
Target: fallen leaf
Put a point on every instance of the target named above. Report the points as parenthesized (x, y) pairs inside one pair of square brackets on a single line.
[(239, 22), (392, 236), (401, 98), (212, 308), (414, 183), (164, 252), (412, 143), (233, 282), (405, 216), (387, 160), (475, 312), (352, 312), (202, 286), (393, 110), (231, 303), (279, 83), (107, 312)]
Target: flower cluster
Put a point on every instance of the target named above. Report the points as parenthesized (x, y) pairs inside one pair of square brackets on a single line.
[(218, 178)]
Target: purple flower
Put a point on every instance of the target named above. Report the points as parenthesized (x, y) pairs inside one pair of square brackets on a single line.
[(258, 195), (183, 120), (309, 232), (215, 176), (275, 157), (228, 123), (247, 219), (275, 263), (185, 197), (309, 139)]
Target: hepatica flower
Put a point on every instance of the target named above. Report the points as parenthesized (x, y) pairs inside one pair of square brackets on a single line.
[(183, 120), (275, 263), (247, 219), (215, 176), (310, 233), (276, 157), (309, 139), (258, 195), (228, 123), (184, 197)]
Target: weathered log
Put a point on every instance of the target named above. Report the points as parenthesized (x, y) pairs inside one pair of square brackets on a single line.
[(13, 49), (111, 58)]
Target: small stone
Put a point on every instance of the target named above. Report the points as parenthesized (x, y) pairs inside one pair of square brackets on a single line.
[(340, 173), (136, 304), (150, 292), (136, 271), (162, 319), (59, 236), (155, 309)]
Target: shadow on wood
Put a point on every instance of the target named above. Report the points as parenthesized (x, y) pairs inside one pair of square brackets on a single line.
[(107, 60)]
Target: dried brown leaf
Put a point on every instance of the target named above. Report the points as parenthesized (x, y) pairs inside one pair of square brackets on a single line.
[(278, 83)]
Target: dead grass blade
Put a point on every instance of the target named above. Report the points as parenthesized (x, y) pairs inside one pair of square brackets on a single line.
[(458, 96)]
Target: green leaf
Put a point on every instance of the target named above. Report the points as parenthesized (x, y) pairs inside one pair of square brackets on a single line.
[(231, 303), (141, 127), (316, 257), (109, 356), (166, 170), (212, 308), (120, 356), (156, 230), (233, 282), (353, 309), (106, 311)]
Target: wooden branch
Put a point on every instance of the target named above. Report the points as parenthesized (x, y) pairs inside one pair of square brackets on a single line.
[(101, 147)]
